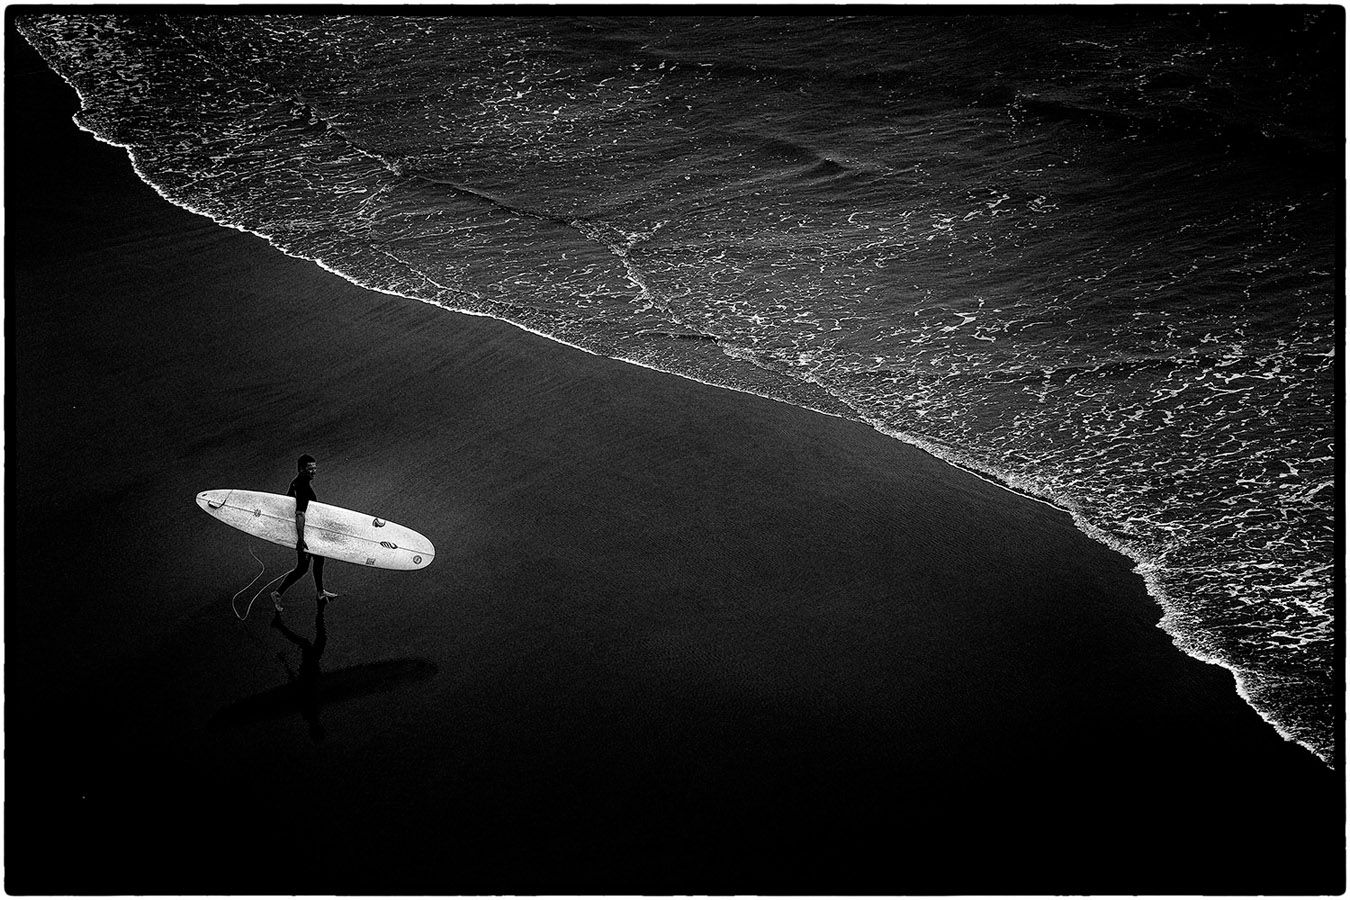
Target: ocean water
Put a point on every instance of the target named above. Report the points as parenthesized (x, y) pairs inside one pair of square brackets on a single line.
[(1089, 253)]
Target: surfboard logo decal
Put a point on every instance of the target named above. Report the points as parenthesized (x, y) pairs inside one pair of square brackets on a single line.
[(370, 560), (417, 560), (389, 545), (378, 523), (257, 513)]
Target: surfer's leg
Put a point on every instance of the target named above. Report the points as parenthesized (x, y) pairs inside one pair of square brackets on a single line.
[(301, 567), (323, 596)]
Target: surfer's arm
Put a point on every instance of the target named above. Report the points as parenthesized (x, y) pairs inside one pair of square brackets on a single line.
[(300, 529)]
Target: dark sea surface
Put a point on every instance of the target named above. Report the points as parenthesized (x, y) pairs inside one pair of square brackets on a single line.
[(1092, 253)]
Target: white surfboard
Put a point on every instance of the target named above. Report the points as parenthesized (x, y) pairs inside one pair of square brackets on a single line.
[(330, 531)]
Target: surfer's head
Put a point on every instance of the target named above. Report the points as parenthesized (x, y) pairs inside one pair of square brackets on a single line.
[(306, 465)]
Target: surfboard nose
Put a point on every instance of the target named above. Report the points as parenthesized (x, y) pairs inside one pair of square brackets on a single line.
[(212, 500)]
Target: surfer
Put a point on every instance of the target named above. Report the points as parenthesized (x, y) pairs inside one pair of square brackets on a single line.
[(302, 492)]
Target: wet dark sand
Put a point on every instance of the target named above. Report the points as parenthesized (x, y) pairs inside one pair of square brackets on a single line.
[(676, 639)]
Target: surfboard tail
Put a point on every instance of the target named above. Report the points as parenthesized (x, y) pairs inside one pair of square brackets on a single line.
[(209, 500)]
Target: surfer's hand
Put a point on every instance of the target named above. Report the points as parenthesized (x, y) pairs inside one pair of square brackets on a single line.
[(300, 545)]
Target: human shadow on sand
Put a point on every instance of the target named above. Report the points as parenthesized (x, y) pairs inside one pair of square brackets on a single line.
[(308, 688)]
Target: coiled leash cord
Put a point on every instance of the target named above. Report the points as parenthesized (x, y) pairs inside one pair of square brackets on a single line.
[(249, 608)]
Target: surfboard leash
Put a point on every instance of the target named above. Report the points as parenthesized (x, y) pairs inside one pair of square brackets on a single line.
[(248, 609)]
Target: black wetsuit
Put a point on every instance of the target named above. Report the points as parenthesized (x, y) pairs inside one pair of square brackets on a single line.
[(303, 494)]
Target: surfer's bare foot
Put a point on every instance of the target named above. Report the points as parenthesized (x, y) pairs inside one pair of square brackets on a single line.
[(276, 601), (325, 596)]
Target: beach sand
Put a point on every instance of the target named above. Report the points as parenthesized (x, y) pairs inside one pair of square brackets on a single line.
[(675, 638)]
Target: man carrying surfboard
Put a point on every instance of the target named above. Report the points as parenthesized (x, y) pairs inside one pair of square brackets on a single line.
[(303, 493)]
